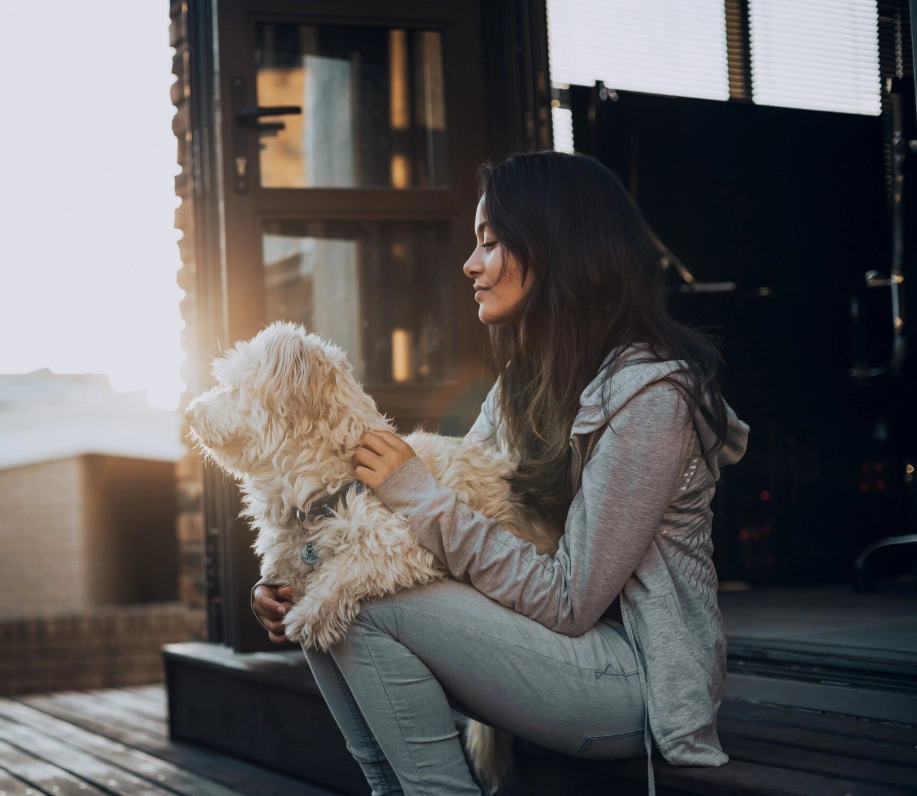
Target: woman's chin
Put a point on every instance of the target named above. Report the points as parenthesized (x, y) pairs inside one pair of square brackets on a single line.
[(492, 318)]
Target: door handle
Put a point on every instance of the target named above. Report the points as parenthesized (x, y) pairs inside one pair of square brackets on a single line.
[(248, 117), (875, 279), (251, 116), (691, 284)]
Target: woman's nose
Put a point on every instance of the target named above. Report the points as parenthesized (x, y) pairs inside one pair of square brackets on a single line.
[(472, 267)]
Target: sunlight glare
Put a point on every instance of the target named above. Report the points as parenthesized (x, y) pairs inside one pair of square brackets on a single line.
[(89, 255)]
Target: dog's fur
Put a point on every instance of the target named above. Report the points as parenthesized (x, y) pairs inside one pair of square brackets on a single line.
[(285, 420)]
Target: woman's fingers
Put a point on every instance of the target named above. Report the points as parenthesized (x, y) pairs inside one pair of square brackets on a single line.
[(393, 441), (374, 442), (270, 604), (363, 457), (266, 602), (385, 446), (379, 456), (367, 476), (272, 626)]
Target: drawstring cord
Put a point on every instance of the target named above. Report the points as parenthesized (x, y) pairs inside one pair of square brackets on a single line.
[(641, 675)]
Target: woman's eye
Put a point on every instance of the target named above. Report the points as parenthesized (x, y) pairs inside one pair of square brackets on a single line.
[(489, 245)]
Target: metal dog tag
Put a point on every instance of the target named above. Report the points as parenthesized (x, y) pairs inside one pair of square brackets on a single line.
[(309, 553)]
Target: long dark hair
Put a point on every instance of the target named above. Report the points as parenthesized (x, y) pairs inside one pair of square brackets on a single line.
[(597, 289)]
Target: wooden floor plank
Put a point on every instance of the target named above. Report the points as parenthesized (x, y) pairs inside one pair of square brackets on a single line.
[(176, 779), (13, 786), (81, 764), (850, 726), (801, 738), (103, 710), (43, 777), (245, 777), (785, 757), (155, 694), (133, 703), (131, 709)]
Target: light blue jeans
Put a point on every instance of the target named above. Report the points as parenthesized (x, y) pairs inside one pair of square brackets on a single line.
[(390, 683)]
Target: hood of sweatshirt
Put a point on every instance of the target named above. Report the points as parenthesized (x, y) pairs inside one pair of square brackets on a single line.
[(604, 397)]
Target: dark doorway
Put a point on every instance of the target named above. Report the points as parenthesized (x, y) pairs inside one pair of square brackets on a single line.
[(790, 207)]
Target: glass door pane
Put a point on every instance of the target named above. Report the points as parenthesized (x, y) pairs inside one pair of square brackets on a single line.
[(372, 100), (378, 289)]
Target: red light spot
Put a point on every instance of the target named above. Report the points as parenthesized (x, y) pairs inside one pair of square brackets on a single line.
[(765, 495), (864, 487), (765, 529), (880, 486), (877, 466), (743, 534)]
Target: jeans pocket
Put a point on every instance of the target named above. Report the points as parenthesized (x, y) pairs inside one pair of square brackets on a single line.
[(612, 747)]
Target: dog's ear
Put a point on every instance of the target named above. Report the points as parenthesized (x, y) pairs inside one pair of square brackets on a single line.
[(287, 367)]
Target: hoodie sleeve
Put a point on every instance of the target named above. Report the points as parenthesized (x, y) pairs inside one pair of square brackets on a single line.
[(627, 486)]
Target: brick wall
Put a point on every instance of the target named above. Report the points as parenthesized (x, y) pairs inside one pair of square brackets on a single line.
[(86, 531), (78, 536), (189, 472), (41, 538), (102, 648)]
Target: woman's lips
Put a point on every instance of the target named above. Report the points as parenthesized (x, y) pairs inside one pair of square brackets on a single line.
[(480, 292)]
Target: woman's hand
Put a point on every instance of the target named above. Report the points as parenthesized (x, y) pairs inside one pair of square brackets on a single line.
[(379, 456), (270, 604)]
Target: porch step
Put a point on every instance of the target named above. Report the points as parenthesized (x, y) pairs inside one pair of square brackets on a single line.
[(267, 708), (891, 670)]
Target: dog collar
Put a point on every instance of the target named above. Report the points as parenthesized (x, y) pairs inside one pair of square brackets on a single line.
[(324, 505)]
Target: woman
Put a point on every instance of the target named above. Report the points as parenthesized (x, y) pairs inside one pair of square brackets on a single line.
[(614, 413)]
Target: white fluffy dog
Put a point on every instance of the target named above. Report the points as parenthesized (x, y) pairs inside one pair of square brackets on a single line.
[(285, 420)]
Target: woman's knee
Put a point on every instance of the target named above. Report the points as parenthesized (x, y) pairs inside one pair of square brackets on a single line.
[(441, 598), (402, 614)]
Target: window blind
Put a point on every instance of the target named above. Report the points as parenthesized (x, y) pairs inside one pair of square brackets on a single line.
[(818, 54), (562, 123), (675, 47)]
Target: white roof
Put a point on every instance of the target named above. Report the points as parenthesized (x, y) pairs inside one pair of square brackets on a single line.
[(46, 416)]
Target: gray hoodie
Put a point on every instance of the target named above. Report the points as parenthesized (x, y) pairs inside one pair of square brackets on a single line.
[(638, 529)]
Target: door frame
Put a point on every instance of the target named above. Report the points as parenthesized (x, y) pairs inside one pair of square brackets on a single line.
[(496, 102)]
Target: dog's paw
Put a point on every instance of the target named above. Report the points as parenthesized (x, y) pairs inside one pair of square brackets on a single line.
[(298, 623), (315, 625)]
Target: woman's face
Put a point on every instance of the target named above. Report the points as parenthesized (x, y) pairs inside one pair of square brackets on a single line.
[(499, 297)]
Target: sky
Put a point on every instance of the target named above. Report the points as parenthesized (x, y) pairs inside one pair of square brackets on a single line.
[(88, 249)]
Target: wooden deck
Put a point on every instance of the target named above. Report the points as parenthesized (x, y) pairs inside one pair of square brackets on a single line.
[(115, 742)]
